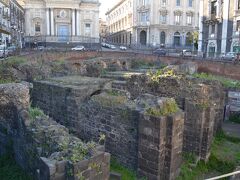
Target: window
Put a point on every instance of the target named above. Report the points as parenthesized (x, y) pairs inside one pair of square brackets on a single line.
[(164, 2), (144, 17), (214, 8), (213, 29), (163, 19), (190, 3), (178, 2), (189, 19), (238, 4), (162, 37), (87, 29), (37, 27), (177, 19), (238, 25)]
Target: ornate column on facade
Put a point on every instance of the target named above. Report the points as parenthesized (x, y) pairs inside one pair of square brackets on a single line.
[(52, 23), (78, 23), (225, 26), (73, 23), (47, 22)]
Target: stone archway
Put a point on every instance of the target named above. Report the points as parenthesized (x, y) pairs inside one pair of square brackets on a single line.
[(143, 37)]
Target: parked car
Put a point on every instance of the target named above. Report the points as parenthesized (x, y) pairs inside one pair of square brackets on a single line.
[(124, 48), (186, 53), (112, 46), (229, 56), (11, 50), (160, 52), (41, 48), (78, 48)]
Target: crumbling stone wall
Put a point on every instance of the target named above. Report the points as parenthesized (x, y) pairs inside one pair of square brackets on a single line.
[(42, 147), (205, 98), (122, 121)]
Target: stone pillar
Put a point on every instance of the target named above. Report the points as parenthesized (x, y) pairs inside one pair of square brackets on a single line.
[(160, 146), (47, 21), (200, 23), (73, 23), (225, 26), (52, 23), (78, 23)]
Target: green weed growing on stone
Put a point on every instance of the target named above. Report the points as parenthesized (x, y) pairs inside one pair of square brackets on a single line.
[(235, 118), (155, 76), (35, 112), (102, 138), (228, 83), (127, 174), (224, 159), (138, 64), (169, 107)]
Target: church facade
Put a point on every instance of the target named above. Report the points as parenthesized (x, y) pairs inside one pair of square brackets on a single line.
[(62, 21)]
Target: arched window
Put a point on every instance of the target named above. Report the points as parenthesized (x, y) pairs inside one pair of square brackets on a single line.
[(177, 39), (162, 37)]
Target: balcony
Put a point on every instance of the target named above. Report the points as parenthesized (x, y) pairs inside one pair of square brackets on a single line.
[(147, 23), (4, 29), (141, 8)]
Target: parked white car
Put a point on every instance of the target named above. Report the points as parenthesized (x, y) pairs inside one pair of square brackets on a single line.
[(78, 48), (112, 47), (124, 48), (229, 56)]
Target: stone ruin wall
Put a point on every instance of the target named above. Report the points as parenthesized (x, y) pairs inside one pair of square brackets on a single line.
[(202, 102), (150, 145), (34, 143)]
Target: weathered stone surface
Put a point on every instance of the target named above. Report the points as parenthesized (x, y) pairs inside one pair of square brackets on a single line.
[(40, 144)]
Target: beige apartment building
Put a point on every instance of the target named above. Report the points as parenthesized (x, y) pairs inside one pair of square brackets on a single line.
[(69, 21), (120, 22), (153, 23)]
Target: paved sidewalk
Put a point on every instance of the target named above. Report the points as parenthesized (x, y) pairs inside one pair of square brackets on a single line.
[(231, 128)]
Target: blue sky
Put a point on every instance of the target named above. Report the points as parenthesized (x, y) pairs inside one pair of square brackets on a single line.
[(105, 5)]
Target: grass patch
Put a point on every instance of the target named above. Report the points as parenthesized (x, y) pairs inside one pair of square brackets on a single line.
[(10, 170), (169, 107), (225, 157), (138, 64), (126, 173), (235, 118), (35, 112), (5, 81), (228, 83), (15, 61)]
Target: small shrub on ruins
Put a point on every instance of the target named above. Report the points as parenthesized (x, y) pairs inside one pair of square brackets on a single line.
[(235, 118), (169, 107), (102, 139), (228, 83), (155, 76)]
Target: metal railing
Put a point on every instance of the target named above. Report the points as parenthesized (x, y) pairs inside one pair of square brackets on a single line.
[(225, 176)]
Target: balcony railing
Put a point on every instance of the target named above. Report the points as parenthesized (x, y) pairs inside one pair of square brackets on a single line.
[(147, 23), (5, 29)]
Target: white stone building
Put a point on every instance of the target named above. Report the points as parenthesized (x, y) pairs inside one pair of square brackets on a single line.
[(120, 22), (219, 26), (167, 22), (71, 21), (5, 30)]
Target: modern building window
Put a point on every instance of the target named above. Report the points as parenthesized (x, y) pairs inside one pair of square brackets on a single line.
[(178, 2), (190, 3)]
